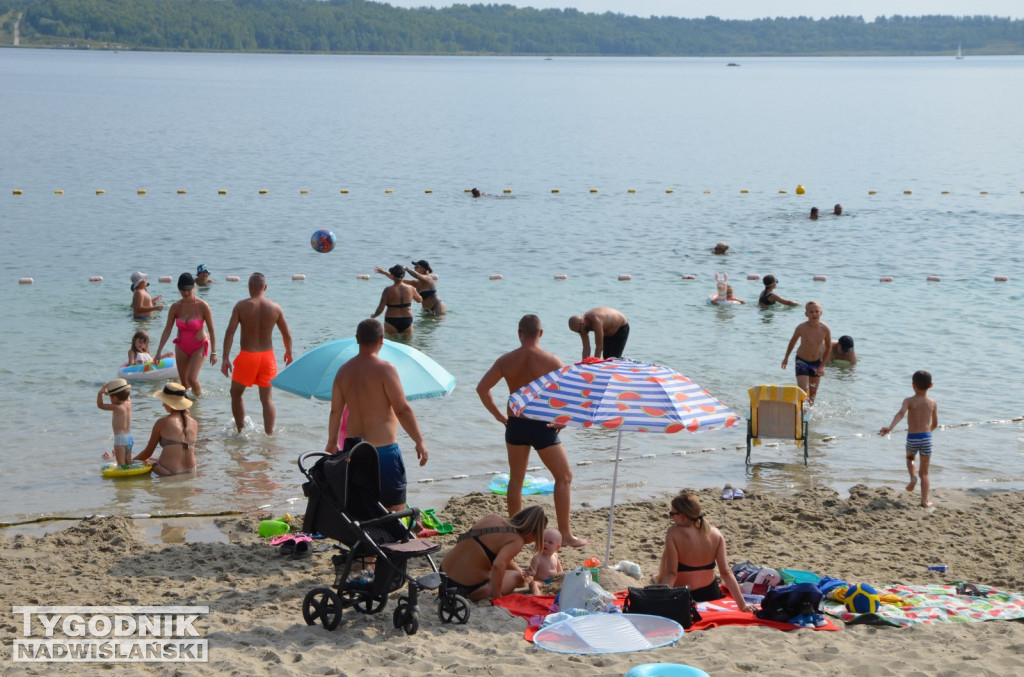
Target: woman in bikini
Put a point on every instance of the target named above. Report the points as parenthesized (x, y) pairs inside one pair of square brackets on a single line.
[(176, 434), (482, 563), (692, 550), (397, 299), (425, 285), (189, 315)]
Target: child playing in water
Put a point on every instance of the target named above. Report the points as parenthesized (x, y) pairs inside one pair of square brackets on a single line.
[(814, 351), (138, 352), (121, 408), (545, 564), (731, 298), (922, 418)]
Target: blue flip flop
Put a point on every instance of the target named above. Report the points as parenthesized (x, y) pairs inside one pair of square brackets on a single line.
[(728, 494), (737, 493)]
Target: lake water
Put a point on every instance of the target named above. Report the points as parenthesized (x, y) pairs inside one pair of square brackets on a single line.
[(936, 140)]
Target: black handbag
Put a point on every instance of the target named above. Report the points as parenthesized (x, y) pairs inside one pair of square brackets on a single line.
[(663, 600)]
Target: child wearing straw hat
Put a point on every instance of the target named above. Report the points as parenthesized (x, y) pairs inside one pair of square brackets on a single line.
[(120, 407), (176, 434)]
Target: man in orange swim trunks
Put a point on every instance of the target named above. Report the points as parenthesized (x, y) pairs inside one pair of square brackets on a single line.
[(255, 364)]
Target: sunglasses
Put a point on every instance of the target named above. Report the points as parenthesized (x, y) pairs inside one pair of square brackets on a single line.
[(672, 513)]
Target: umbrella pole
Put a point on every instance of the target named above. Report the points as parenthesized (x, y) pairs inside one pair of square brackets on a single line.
[(611, 510)]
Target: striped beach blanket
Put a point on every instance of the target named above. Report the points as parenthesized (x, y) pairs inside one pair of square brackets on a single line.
[(935, 604)]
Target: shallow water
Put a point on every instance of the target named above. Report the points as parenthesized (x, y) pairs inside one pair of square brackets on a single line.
[(240, 123)]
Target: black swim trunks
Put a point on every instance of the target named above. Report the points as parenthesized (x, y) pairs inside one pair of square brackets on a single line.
[(399, 323), (537, 434), (616, 343), (805, 368)]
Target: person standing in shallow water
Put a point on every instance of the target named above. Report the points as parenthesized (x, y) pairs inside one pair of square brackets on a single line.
[(255, 364), (190, 314), (397, 300)]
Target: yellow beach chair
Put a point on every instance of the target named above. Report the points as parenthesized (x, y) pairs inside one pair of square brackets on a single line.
[(777, 412)]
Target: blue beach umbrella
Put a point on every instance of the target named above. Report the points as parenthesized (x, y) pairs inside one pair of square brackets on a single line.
[(622, 395), (312, 375)]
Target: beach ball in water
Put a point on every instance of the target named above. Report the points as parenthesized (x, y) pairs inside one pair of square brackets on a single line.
[(323, 241), (861, 599)]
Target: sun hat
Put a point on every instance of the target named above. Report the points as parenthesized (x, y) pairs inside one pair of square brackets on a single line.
[(173, 395), (201, 268), (118, 385), (137, 277), (186, 281), (422, 263)]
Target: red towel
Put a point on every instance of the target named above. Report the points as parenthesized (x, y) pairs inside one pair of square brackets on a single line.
[(726, 613)]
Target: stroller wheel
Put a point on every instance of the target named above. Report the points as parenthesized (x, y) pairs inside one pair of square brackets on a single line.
[(453, 608), (406, 618), (370, 605), (322, 604)]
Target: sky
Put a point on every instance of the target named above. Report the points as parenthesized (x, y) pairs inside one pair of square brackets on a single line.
[(758, 9)]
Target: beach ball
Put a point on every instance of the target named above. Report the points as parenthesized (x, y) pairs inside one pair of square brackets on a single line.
[(861, 599), (323, 241)]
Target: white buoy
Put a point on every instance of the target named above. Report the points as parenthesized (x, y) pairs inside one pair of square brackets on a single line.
[(885, 279), (561, 276), (363, 276), (231, 278), (934, 278), (96, 278), (495, 276), (298, 276), (164, 278), (625, 277), (819, 278), (753, 276), (25, 280), (1002, 278)]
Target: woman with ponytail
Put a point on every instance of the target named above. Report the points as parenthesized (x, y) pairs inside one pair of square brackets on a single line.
[(693, 548)]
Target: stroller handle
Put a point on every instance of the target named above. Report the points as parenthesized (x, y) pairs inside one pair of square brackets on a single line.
[(309, 454)]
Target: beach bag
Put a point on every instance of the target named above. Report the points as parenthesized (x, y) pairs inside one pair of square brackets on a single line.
[(754, 579), (662, 600), (790, 601), (579, 591)]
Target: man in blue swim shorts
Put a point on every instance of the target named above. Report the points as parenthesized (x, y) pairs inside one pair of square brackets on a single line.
[(518, 367), (369, 387)]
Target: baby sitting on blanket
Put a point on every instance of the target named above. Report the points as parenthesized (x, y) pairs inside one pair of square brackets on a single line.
[(545, 564)]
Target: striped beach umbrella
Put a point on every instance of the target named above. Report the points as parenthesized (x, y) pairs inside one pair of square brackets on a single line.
[(623, 395)]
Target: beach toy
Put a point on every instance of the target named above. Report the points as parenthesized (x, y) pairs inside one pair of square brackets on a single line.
[(430, 521), (270, 528), (160, 370), (323, 241), (531, 485), (131, 470), (861, 599)]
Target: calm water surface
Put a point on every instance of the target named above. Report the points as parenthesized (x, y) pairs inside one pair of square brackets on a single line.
[(908, 129)]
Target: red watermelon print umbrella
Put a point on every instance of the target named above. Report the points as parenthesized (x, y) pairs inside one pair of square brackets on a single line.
[(624, 395)]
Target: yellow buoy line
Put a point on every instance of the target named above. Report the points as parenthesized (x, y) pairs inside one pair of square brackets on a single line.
[(800, 190)]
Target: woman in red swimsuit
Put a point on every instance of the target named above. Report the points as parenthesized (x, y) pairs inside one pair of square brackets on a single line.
[(692, 550), (189, 315)]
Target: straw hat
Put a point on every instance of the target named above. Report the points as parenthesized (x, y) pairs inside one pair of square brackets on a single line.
[(118, 385), (173, 395)]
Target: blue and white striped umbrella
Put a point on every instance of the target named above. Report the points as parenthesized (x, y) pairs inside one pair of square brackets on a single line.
[(621, 394)]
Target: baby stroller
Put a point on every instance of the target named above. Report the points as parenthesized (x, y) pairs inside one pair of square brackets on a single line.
[(344, 491)]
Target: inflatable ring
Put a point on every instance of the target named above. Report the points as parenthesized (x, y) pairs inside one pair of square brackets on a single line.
[(136, 468), (161, 370), (666, 670), (713, 301), (531, 485)]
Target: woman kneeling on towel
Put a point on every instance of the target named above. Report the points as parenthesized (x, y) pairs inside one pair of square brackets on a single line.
[(692, 550), (482, 563)]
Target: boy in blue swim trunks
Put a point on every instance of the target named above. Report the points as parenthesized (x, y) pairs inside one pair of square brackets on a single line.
[(120, 407), (922, 418), (814, 351)]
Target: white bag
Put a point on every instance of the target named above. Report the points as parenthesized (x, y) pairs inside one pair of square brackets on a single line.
[(579, 591)]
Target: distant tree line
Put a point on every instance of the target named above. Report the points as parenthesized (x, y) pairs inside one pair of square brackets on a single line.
[(359, 26)]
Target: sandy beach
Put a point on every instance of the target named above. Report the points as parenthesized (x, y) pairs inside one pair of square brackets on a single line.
[(255, 625)]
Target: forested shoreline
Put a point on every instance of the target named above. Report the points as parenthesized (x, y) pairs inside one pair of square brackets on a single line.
[(362, 27)]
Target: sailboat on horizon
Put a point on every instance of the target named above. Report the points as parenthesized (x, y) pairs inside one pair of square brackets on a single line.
[(959, 52)]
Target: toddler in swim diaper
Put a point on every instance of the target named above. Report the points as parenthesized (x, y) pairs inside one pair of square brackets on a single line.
[(545, 564), (120, 407)]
